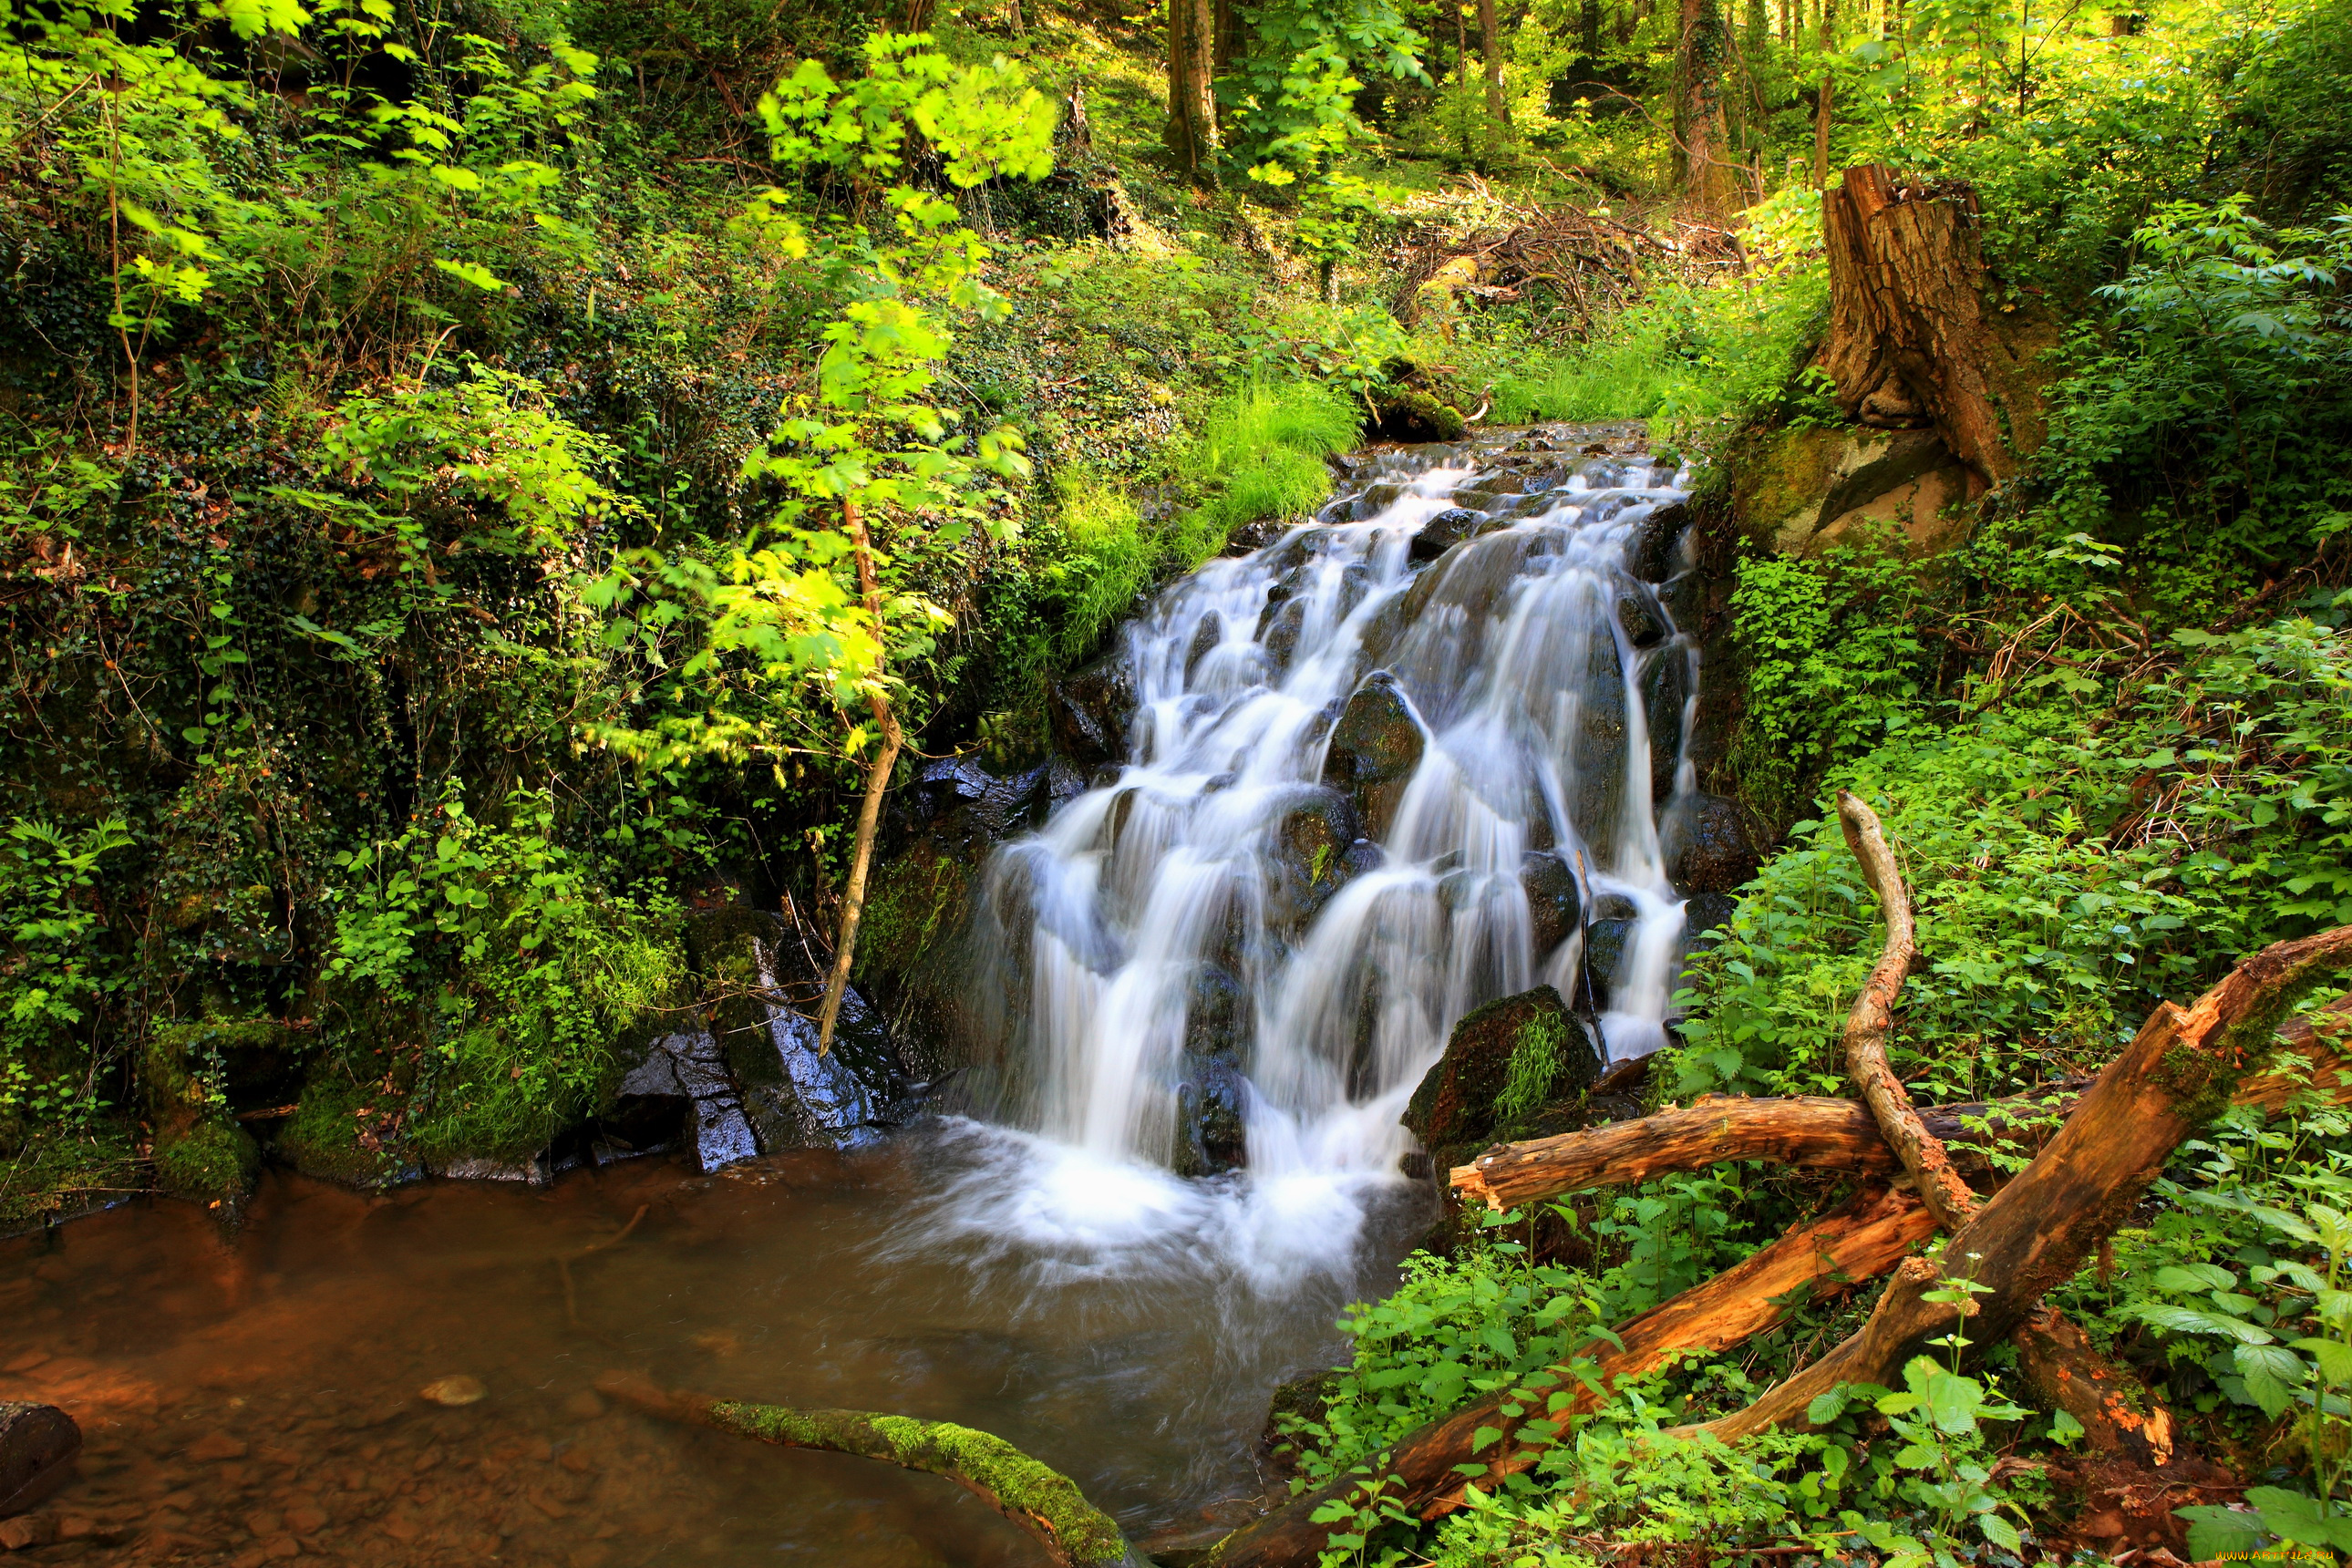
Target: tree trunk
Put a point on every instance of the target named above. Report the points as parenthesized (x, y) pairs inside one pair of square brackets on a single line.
[(1228, 45), (1700, 154), (1823, 99), (1908, 345), (2063, 1372), (1043, 1501), (1191, 133), (877, 780), (1490, 50), (1588, 35)]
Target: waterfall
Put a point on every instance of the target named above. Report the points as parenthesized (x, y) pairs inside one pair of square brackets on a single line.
[(1360, 789)]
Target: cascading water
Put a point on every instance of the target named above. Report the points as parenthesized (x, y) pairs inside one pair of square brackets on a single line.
[(1364, 793)]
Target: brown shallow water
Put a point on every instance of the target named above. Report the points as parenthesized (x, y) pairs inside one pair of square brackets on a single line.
[(256, 1400)]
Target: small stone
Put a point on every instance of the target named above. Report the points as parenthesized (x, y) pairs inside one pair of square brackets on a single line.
[(38, 1444), (587, 1406), (455, 1391), (306, 1519), (281, 1547), (27, 1531)]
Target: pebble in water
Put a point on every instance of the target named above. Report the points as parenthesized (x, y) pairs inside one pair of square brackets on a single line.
[(455, 1390)]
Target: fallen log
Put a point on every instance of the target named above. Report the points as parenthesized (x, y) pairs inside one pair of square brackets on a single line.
[(1034, 1496), (2177, 1073), (1819, 1133), (2063, 1372), (1854, 1242)]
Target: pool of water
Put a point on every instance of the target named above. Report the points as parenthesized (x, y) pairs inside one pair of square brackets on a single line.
[(258, 1400)]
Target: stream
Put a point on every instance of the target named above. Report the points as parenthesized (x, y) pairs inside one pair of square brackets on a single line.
[(1233, 956)]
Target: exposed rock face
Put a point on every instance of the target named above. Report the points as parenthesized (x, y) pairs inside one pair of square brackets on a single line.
[(1209, 1114), (768, 980), (1454, 1108), (1801, 491), (1666, 683), (37, 1446), (1601, 745), (1374, 747), (1088, 710), (683, 1085), (1643, 628), (1706, 844)]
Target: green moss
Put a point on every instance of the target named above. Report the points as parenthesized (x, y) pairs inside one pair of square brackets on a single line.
[(55, 1174), (330, 1134), (214, 1162), (1018, 1485)]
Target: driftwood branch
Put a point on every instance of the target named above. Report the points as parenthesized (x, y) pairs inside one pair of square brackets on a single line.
[(1814, 1133), (1922, 1153), (1039, 1499)]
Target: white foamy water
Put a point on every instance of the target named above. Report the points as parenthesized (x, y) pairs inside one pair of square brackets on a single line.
[(1175, 949)]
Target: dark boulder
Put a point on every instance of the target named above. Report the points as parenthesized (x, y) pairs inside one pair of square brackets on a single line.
[(1643, 627), (1706, 917), (1279, 635), (1554, 903), (1376, 499), (1310, 858), (1374, 749), (1088, 710), (1706, 844), (38, 1447), (1599, 751), (1650, 555), (1211, 1116), (1454, 1108), (1210, 632), (1217, 1020), (1446, 529), (1666, 683)]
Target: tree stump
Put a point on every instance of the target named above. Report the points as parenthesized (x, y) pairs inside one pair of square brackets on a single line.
[(1910, 346)]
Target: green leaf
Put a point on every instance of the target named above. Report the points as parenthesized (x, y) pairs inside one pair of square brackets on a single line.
[(2271, 1375), (472, 272), (2216, 1531), (2291, 1516), (1827, 1407)]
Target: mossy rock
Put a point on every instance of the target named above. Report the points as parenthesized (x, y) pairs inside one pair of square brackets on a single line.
[(328, 1138), (1503, 1060), (213, 1163), (51, 1176)]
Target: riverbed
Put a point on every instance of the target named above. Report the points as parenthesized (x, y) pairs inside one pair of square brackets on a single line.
[(258, 1399)]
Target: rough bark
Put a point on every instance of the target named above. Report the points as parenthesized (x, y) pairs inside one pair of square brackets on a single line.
[(1922, 1153), (878, 781), (1032, 1495), (1490, 51), (1698, 109), (2179, 1071), (1908, 344), (1857, 1241), (1812, 1133), (1824, 99), (2063, 1372), (1191, 133)]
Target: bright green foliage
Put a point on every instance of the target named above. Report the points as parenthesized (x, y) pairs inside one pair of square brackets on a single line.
[(2065, 881), (1535, 1062), (52, 975)]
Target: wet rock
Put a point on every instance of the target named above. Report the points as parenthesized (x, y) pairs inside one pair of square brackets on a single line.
[(763, 972), (1666, 683), (1374, 749), (1554, 903), (1643, 628), (683, 1081), (1650, 554), (1453, 1111), (1684, 601), (1374, 500), (1310, 860), (1384, 626), (1210, 632), (1216, 1015), (200, 1154), (1706, 917), (454, 1392), (1210, 1110), (1446, 529), (1599, 751), (38, 1447), (1087, 710), (1606, 940), (1302, 1398), (1706, 844)]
